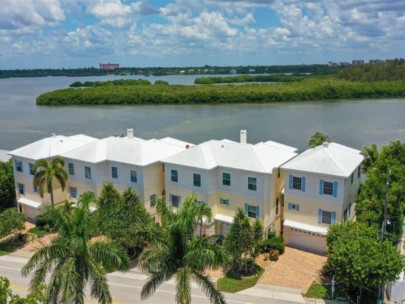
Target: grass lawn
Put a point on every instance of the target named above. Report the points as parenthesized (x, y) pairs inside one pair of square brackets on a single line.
[(231, 284), (38, 232), (319, 291)]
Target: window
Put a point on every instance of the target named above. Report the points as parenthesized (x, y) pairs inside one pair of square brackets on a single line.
[(295, 207), (35, 189), (328, 188), (114, 172), (87, 172), (358, 172), (252, 183), (72, 192), (71, 168), (31, 166), (19, 165), (252, 211), (351, 178), (174, 176), (224, 201), (21, 188), (326, 217), (197, 180), (345, 215), (152, 199), (226, 179), (175, 201), (297, 183), (278, 173), (277, 207), (134, 177)]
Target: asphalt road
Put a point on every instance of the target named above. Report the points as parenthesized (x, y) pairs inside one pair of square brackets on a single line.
[(126, 287)]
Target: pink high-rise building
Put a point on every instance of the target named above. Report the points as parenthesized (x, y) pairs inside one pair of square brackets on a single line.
[(109, 66)]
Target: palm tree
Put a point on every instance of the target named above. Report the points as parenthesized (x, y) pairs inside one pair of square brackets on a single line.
[(73, 259), (371, 155), (46, 171), (317, 139), (176, 253), (203, 211)]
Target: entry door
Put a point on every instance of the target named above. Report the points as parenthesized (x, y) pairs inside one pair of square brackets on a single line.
[(224, 228)]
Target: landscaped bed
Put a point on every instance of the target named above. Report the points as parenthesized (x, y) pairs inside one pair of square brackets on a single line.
[(234, 284)]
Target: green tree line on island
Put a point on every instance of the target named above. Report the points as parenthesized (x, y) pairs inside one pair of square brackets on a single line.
[(391, 70), (308, 89), (250, 78)]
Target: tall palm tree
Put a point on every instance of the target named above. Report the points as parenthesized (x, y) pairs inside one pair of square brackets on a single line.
[(45, 171), (177, 253), (203, 211), (73, 259)]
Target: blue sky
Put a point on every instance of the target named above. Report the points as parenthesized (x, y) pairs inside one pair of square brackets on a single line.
[(82, 33)]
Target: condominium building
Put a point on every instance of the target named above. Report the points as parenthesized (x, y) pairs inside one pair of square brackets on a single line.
[(124, 161), (228, 175), (298, 196), (28, 199), (320, 189)]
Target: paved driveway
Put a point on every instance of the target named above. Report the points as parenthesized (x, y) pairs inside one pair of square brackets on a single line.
[(294, 269)]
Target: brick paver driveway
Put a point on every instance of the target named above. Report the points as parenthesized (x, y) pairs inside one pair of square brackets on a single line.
[(295, 269)]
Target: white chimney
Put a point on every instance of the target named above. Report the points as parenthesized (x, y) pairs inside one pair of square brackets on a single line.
[(325, 144), (243, 136), (130, 133)]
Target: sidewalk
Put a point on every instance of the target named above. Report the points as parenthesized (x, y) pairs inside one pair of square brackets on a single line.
[(274, 292)]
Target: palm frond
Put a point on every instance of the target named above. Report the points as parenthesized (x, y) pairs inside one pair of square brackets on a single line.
[(209, 288), (99, 286), (153, 282), (109, 255), (61, 176), (41, 164), (183, 288), (49, 253), (202, 253), (57, 161)]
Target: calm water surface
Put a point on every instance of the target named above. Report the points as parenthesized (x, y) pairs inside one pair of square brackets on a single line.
[(354, 123)]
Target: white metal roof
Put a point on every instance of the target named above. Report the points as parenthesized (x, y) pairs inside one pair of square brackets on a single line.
[(134, 151), (30, 203), (223, 153), (223, 218), (52, 146), (328, 158), (306, 227)]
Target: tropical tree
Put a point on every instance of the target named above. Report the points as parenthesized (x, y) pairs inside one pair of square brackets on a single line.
[(371, 198), (36, 295), (46, 171), (317, 139), (203, 211), (122, 217), (175, 252), (11, 221), (7, 186), (371, 154), (73, 259), (359, 259), (239, 244)]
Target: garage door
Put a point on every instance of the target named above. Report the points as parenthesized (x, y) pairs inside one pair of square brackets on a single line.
[(304, 240)]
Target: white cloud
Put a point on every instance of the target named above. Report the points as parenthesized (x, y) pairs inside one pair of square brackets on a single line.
[(19, 14)]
